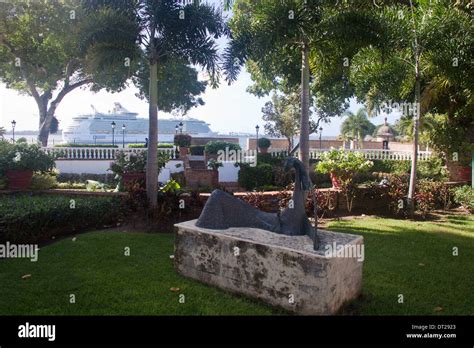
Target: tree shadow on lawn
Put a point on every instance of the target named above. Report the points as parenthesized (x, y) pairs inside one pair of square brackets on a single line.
[(415, 260), (105, 281)]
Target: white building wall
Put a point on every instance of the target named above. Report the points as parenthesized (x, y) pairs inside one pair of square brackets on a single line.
[(83, 166), (227, 173), (100, 166)]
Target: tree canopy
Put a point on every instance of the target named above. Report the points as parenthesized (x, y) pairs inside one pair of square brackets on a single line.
[(289, 43), (161, 41)]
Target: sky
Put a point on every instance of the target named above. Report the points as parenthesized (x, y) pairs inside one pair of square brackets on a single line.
[(226, 109)]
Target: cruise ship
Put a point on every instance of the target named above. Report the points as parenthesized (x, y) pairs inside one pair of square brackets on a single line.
[(96, 128)]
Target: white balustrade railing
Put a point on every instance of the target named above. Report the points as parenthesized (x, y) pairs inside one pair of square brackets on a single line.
[(370, 154), (109, 153), (98, 153)]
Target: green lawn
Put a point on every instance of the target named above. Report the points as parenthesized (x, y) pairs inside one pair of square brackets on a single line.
[(401, 257), (415, 259)]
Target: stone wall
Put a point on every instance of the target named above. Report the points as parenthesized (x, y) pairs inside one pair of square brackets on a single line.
[(280, 270), (196, 178), (362, 203)]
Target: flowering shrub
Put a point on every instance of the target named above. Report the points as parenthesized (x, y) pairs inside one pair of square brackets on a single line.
[(397, 188), (343, 164), (464, 196), (326, 200), (425, 197)]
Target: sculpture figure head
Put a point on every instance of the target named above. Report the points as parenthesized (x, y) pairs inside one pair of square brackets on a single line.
[(302, 174)]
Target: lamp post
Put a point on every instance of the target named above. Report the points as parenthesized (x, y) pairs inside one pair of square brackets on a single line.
[(123, 136), (320, 137), (13, 129), (113, 133), (257, 128), (181, 127)]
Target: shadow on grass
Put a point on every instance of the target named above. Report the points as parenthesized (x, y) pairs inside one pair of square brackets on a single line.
[(416, 260)]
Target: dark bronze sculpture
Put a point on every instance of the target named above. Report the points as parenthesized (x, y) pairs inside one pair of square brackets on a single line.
[(223, 210)]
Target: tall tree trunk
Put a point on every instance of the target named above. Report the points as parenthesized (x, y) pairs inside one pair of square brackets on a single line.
[(414, 155), (44, 121), (152, 160), (44, 127), (304, 122)]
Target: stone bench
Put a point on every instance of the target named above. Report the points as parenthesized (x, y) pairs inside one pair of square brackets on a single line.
[(280, 270)]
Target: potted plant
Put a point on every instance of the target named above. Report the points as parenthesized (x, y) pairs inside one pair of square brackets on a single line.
[(131, 168), (19, 161), (183, 141), (342, 165), (264, 144)]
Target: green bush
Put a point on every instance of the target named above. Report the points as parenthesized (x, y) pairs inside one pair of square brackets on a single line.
[(264, 143), (214, 164), (430, 169), (182, 140), (213, 147), (3, 183), (142, 146), (30, 219), (464, 196), (132, 163), (343, 164), (197, 150), (255, 177), (270, 159), (85, 145), (71, 186), (43, 182), (21, 156)]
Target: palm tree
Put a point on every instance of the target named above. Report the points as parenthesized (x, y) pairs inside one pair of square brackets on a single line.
[(266, 29), (150, 34), (3, 131), (356, 126), (287, 43), (427, 125), (414, 63)]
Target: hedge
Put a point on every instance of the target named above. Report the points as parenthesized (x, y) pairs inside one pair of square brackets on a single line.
[(86, 145), (142, 146), (30, 219), (255, 177), (213, 147), (197, 150)]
